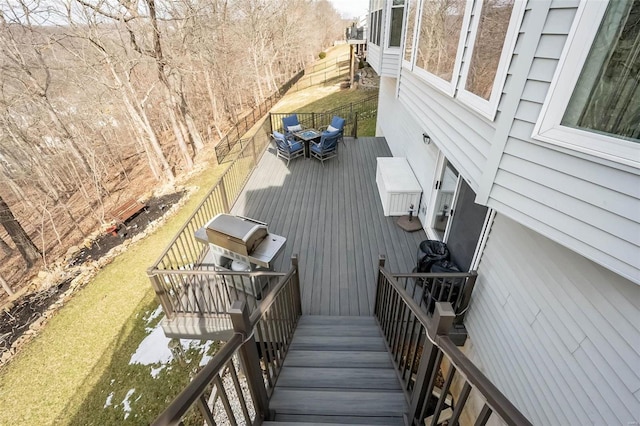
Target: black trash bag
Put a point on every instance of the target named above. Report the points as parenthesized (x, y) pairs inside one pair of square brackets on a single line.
[(429, 252), (445, 266)]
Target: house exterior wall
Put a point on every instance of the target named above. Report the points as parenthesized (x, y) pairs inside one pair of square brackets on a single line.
[(555, 316), (374, 57), (582, 202), (404, 137), (556, 332)]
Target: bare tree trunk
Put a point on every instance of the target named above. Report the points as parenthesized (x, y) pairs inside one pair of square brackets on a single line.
[(5, 247), (27, 249)]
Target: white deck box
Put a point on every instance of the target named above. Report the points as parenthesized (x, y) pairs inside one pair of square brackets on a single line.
[(397, 185)]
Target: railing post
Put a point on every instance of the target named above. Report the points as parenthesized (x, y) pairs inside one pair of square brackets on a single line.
[(161, 294), (381, 261), (223, 195), (466, 297), (296, 278), (355, 126), (248, 353), (253, 149), (441, 322)]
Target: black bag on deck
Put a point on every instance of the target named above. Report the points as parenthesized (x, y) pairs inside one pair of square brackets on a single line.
[(430, 252)]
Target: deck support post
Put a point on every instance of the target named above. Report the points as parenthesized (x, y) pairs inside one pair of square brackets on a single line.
[(250, 359), (440, 324), (161, 294)]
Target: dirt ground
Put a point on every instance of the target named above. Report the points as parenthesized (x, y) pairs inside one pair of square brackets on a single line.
[(26, 314)]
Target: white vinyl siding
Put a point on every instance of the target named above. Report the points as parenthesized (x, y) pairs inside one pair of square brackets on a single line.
[(374, 57), (390, 63), (559, 334), (462, 135), (578, 201)]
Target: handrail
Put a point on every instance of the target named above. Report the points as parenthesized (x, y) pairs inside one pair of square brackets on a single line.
[(273, 322), (409, 330), (189, 395), (271, 297)]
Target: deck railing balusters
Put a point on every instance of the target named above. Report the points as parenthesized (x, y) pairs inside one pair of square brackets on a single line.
[(419, 343)]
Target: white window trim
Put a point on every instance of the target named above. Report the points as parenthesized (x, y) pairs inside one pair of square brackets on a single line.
[(448, 87), (409, 64), (574, 55), (388, 25), (489, 108)]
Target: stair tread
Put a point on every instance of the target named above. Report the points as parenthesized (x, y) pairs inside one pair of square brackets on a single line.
[(333, 320), (355, 330), (337, 377), (338, 343), (338, 402), (362, 359), (305, 420)]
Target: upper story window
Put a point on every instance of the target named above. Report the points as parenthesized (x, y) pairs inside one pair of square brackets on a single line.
[(494, 31), (375, 21), (440, 40), (410, 32), (606, 98), (440, 32), (593, 105), (395, 26)]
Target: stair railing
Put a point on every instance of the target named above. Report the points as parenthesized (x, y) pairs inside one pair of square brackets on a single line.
[(436, 376), (246, 368)]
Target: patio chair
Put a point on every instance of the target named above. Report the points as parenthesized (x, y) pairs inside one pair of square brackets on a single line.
[(337, 123), (327, 147), (286, 148), (291, 124)]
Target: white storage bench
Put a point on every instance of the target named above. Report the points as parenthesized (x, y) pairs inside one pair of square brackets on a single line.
[(397, 185)]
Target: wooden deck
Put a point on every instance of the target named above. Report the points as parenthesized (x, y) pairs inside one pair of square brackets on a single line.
[(332, 218)]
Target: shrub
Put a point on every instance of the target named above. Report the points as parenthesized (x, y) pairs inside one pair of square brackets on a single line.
[(322, 55)]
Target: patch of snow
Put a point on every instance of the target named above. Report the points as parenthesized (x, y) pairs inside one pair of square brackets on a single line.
[(206, 358), (153, 315), (154, 350), (126, 405), (109, 400)]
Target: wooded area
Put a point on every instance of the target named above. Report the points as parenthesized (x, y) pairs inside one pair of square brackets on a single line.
[(104, 100)]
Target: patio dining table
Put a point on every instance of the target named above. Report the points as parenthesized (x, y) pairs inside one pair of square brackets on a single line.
[(306, 136)]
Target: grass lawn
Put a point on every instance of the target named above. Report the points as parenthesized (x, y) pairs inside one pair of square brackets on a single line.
[(77, 370)]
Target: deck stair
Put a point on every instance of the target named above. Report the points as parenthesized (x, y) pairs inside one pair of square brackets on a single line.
[(338, 371)]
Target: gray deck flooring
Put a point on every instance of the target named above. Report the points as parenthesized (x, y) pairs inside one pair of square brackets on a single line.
[(332, 218), (346, 379)]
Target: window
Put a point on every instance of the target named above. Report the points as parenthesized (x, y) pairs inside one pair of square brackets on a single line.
[(593, 105), (493, 36), (376, 28), (375, 21), (440, 40), (410, 30), (606, 98), (395, 28)]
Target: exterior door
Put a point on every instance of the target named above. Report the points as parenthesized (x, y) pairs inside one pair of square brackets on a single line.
[(466, 223), (444, 196)]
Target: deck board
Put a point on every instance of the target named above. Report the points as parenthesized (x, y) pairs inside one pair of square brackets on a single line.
[(332, 218)]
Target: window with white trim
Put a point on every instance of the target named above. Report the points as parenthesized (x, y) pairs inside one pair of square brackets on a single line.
[(375, 21), (435, 48), (593, 105), (395, 24), (410, 30), (493, 35), (440, 42)]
